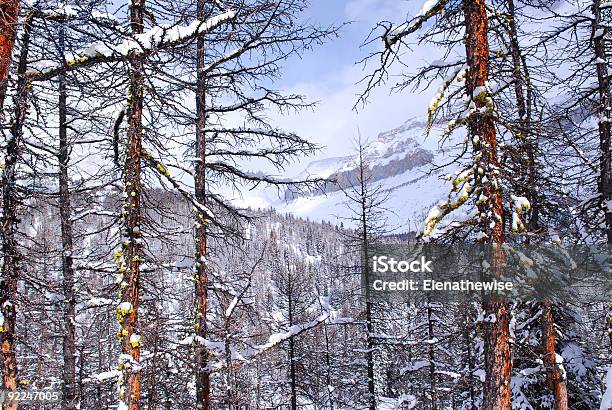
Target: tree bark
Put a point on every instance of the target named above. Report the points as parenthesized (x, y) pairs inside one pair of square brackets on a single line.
[(556, 381), (9, 13), (517, 72), (132, 248), (201, 294), (605, 117), (498, 364), (11, 269), (528, 143), (68, 337)]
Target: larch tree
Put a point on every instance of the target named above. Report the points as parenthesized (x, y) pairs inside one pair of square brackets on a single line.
[(481, 127), (201, 277), (132, 254), (9, 14), (226, 81), (533, 179), (69, 394), (600, 30), (11, 199), (365, 200), (481, 179)]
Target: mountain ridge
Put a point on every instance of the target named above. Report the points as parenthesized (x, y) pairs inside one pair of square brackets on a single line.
[(397, 161)]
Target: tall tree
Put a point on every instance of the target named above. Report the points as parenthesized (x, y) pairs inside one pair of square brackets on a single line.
[(11, 267), (604, 111), (556, 379), (201, 279), (129, 394), (9, 14), (366, 203), (481, 180), (69, 398), (364, 198), (498, 361)]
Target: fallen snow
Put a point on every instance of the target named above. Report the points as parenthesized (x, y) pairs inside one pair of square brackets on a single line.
[(97, 302), (102, 377), (66, 11)]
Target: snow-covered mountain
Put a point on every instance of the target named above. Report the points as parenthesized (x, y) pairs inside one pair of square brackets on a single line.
[(398, 161)]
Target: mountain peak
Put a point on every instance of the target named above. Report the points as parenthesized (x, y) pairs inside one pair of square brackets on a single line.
[(414, 123)]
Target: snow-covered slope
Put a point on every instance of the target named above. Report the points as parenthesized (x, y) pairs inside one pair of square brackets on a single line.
[(399, 163)]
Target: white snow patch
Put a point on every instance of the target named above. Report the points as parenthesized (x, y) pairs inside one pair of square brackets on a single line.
[(427, 6), (111, 374)]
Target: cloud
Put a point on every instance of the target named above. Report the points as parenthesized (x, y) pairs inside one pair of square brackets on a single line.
[(330, 77), (334, 124)]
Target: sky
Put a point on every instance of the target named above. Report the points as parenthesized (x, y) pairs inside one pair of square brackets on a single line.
[(329, 75)]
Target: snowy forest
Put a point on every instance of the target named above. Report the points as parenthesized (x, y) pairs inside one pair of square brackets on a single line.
[(132, 278)]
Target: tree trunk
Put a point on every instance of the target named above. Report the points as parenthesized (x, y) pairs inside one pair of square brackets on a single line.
[(517, 71), (132, 248), (364, 239), (528, 143), (68, 337), (11, 268), (201, 295), (556, 381), (605, 116), (291, 353), (9, 13), (470, 362), (329, 370), (498, 364), (431, 356), (230, 397)]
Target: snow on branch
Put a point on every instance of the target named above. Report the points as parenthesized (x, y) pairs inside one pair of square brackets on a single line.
[(273, 340), (463, 186), (429, 9), (61, 13), (200, 208), (156, 38)]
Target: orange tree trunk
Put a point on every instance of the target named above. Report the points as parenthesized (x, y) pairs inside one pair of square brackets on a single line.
[(132, 220), (498, 364), (9, 12), (556, 380), (11, 269)]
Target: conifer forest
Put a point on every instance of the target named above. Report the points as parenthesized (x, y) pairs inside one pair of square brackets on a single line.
[(191, 189)]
